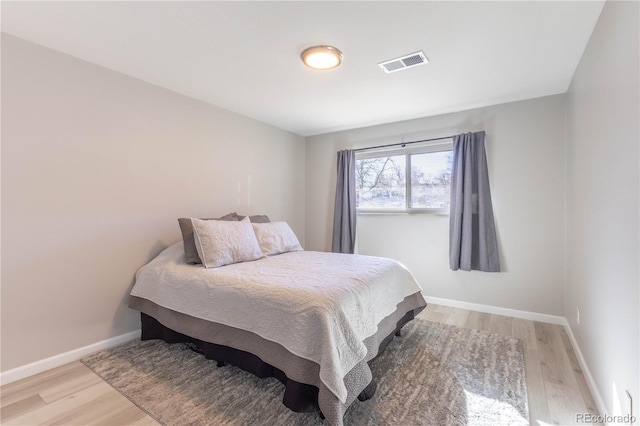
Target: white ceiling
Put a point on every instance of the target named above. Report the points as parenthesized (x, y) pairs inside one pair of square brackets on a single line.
[(244, 56)]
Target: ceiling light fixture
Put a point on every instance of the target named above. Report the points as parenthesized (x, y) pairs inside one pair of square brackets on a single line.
[(321, 57)]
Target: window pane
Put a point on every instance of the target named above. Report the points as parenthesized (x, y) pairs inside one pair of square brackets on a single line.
[(380, 183), (431, 179)]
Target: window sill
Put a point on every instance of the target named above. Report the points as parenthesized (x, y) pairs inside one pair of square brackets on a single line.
[(432, 212)]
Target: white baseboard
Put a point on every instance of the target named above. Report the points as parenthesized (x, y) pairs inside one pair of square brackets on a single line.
[(597, 398), (24, 371), (533, 316), (497, 310)]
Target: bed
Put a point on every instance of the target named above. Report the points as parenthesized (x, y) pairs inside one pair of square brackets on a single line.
[(313, 320)]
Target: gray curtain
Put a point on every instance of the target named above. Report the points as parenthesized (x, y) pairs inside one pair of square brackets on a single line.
[(472, 235), (344, 215)]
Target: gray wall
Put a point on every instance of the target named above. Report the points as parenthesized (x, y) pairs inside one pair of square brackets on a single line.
[(525, 147), (602, 205), (96, 167)]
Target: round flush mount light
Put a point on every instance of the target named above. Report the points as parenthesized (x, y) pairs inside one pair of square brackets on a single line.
[(321, 57)]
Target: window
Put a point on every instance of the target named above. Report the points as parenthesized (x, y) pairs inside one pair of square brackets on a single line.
[(383, 184)]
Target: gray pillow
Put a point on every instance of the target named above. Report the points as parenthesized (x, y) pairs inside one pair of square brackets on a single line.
[(190, 251), (257, 218)]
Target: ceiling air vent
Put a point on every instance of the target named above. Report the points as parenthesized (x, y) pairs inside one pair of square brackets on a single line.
[(404, 62)]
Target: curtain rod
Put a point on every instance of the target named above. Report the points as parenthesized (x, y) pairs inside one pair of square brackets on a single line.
[(403, 143)]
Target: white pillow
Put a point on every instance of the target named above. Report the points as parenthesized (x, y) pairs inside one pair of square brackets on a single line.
[(276, 238), (221, 242)]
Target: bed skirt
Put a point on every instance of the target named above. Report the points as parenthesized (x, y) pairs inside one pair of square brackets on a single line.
[(304, 392)]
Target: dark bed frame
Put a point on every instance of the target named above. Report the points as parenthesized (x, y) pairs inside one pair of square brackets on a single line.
[(298, 397)]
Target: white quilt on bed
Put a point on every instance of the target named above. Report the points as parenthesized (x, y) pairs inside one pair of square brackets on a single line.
[(319, 306)]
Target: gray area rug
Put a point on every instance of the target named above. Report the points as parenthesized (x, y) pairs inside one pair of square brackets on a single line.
[(435, 374)]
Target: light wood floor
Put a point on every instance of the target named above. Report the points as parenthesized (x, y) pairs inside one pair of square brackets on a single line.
[(74, 395)]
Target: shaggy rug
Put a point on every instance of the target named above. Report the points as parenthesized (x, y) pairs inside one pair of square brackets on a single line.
[(435, 374)]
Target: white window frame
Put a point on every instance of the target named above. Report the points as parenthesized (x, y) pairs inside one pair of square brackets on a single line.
[(407, 151)]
